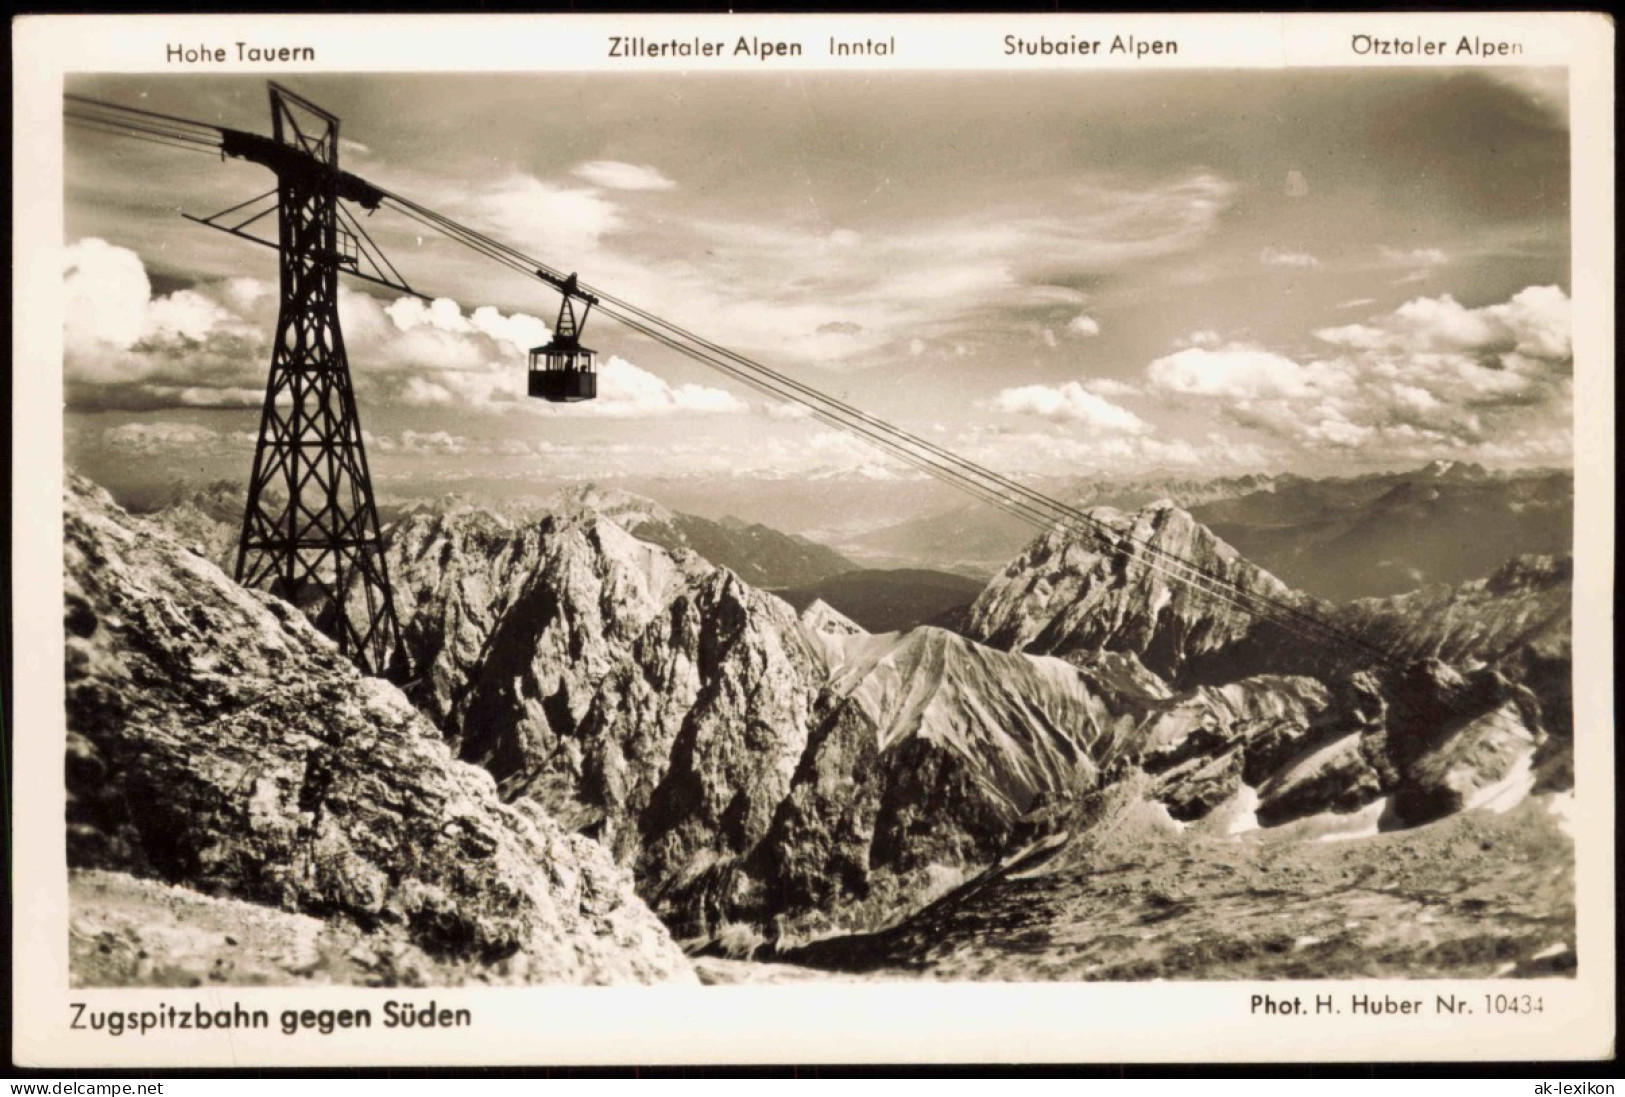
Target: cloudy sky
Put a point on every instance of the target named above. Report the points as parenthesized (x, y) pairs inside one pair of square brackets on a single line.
[(1055, 274)]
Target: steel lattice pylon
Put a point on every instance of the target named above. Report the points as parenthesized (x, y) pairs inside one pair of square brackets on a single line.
[(310, 529)]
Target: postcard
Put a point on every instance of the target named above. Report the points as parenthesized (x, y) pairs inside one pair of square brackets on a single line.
[(823, 539)]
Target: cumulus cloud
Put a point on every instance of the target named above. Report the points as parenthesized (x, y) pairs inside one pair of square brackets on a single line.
[(108, 295), (1534, 323), (1070, 403), (616, 175), (1083, 326), (434, 356), (1106, 386), (627, 392), (1239, 372), (1273, 257), (413, 353), (124, 348), (208, 346), (1430, 378), (517, 330)]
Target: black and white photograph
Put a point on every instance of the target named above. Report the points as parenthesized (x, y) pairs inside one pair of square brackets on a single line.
[(812, 529)]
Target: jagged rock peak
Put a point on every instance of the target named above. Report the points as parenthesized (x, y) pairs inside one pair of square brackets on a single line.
[(510, 627), (216, 740), (937, 685), (693, 733), (1149, 582)]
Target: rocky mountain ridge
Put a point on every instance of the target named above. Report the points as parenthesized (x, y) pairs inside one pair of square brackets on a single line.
[(890, 600), (755, 769), (671, 710), (1152, 583), (769, 777), (216, 740), (1378, 536)]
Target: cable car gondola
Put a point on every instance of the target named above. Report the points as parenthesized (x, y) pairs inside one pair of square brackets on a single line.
[(562, 370)]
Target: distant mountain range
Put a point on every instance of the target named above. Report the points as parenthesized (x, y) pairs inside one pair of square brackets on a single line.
[(1380, 535), (977, 539), (1337, 539)]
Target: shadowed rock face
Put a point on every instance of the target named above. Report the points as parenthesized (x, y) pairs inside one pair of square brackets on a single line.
[(217, 741), (690, 743), (510, 627), (1519, 619), (705, 733)]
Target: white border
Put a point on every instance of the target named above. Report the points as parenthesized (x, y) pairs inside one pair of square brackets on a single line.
[(797, 1023)]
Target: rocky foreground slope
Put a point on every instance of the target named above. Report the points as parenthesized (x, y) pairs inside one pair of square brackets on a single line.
[(216, 741), (1111, 889)]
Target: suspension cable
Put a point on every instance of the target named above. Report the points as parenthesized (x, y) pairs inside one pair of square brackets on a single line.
[(1221, 588), (959, 472)]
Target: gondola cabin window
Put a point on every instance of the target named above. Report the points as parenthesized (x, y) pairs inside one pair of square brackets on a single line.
[(563, 375)]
